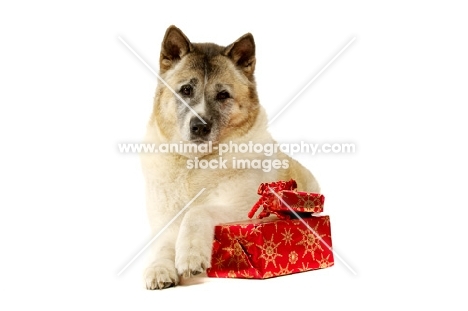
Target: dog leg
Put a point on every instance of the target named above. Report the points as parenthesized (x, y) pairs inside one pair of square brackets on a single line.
[(194, 242), (161, 272)]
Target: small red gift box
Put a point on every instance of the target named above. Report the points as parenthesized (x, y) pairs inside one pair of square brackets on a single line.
[(282, 199), (269, 247)]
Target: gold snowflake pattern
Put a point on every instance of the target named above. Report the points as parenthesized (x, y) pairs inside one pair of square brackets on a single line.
[(306, 202), (310, 242), (231, 274), (305, 267), (285, 270), (312, 202), (227, 228), (326, 221), (255, 230), (246, 275), (244, 226), (287, 236), (297, 223), (276, 225), (269, 251), (267, 275), (219, 262), (236, 251), (325, 262), (293, 257)]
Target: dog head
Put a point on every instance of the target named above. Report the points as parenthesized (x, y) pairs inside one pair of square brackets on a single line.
[(208, 91)]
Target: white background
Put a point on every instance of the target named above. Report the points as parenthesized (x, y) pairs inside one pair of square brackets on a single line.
[(72, 208)]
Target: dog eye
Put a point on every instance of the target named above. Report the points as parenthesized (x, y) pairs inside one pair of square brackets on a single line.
[(222, 95), (186, 90)]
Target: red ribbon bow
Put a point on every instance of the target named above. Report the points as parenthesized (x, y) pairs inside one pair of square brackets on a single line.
[(269, 198)]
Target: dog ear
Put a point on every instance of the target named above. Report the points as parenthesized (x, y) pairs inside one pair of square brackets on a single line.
[(174, 46), (242, 53)]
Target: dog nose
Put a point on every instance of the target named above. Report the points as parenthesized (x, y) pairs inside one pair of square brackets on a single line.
[(198, 128)]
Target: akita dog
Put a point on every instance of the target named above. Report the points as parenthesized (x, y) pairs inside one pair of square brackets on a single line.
[(209, 97)]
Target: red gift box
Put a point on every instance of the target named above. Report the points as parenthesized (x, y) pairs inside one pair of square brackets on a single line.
[(269, 247), (282, 199)]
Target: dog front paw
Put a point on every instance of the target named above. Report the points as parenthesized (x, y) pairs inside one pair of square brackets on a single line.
[(160, 276), (191, 263)]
